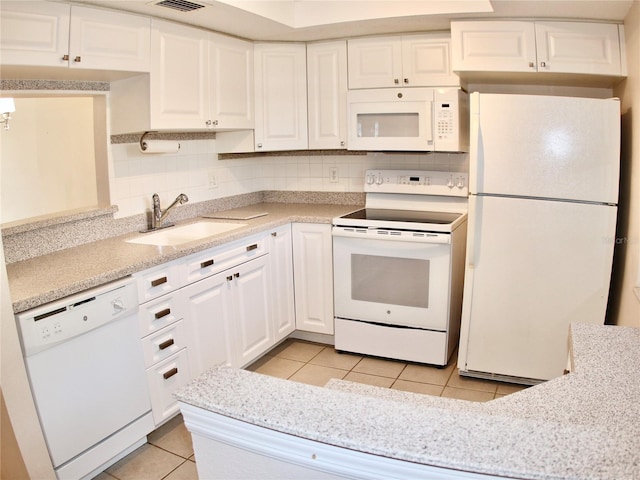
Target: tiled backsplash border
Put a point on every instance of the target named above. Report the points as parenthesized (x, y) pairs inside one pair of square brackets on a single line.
[(27, 241)]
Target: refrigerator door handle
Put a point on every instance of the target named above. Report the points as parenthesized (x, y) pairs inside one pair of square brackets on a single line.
[(473, 237), (476, 153)]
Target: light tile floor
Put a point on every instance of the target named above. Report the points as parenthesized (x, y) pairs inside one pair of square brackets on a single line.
[(168, 455)]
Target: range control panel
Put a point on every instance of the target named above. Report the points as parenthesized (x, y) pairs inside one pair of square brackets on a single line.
[(452, 184)]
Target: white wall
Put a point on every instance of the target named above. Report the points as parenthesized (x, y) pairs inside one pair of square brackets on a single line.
[(626, 309), (49, 149), (134, 176)]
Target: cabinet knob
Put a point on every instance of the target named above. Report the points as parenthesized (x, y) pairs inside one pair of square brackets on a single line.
[(543, 64), (215, 123), (396, 81), (78, 59), (259, 145), (532, 65), (274, 234), (406, 80), (342, 143), (65, 58), (229, 278)]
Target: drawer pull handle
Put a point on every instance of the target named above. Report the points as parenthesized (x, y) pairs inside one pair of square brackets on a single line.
[(252, 247), (166, 344), (206, 264), (158, 281), (170, 373), (162, 313)]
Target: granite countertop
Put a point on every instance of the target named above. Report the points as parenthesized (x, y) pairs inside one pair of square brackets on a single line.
[(46, 278), (584, 425)]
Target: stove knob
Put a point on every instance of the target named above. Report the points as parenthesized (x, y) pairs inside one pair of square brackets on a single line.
[(379, 179), (460, 183), (370, 179), (450, 183)]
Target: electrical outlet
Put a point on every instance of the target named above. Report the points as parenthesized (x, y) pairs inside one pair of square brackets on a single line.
[(333, 174), (213, 183)]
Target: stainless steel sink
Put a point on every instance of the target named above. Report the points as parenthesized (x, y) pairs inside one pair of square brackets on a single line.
[(187, 233)]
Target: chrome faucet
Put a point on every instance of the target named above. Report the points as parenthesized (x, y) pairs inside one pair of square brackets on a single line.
[(158, 215)]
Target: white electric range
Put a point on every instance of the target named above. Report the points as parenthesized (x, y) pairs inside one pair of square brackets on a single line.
[(399, 266)]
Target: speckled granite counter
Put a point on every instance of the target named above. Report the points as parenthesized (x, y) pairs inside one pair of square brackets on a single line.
[(584, 425), (39, 280)]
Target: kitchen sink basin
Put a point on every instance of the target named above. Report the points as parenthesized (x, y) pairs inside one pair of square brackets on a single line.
[(187, 233)]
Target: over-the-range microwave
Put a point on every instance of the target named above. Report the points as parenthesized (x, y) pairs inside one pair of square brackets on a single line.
[(409, 119)]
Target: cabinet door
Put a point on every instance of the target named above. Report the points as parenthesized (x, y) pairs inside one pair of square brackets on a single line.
[(500, 46), (313, 273), (231, 81), (426, 61), (281, 294), (179, 92), (163, 379), (208, 307), (571, 47), (327, 94), (375, 62), (100, 39), (281, 97), (34, 33), (251, 321)]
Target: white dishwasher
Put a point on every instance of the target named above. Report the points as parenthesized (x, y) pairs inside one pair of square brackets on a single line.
[(85, 365)]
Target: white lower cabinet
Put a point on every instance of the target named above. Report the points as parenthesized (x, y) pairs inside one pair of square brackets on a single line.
[(282, 295), (313, 277), (164, 378), (228, 316), (230, 304), (164, 343)]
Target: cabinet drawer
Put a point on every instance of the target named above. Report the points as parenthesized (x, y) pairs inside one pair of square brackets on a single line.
[(217, 259), (157, 281), (163, 343), (159, 313), (164, 379)]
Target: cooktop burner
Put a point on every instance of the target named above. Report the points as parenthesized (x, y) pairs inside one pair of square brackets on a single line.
[(412, 216)]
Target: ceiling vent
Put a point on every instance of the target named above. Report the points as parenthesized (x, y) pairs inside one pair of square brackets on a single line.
[(182, 5)]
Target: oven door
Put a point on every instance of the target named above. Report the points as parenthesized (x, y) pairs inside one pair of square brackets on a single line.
[(402, 282)]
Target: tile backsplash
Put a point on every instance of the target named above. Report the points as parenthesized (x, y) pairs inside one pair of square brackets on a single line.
[(197, 171)]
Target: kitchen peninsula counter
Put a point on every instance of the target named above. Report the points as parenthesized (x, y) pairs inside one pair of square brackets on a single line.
[(584, 425), (49, 277)]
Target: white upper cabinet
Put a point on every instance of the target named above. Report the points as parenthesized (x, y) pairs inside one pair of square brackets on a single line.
[(553, 47), (426, 61), (198, 81), (58, 35), (410, 60), (508, 46), (179, 94), (34, 33), (375, 62), (327, 94), (101, 39), (281, 96), (231, 82), (578, 48)]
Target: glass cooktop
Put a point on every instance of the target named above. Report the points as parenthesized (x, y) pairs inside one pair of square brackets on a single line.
[(413, 216)]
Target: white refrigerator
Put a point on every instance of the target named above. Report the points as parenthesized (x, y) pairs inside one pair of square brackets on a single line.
[(543, 183)]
